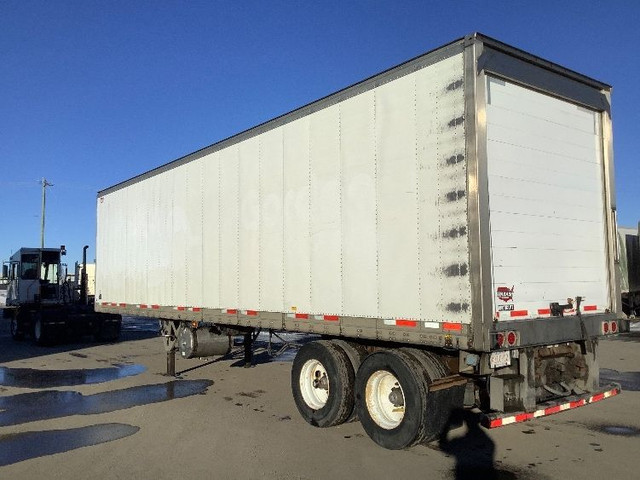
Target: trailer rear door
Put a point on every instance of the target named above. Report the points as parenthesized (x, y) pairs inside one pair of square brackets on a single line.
[(546, 203)]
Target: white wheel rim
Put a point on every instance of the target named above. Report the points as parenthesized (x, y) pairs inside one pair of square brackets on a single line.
[(314, 384), (382, 385)]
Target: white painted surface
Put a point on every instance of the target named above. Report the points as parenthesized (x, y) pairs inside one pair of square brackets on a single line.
[(249, 228), (325, 212), (398, 261), (271, 271), (342, 212), (211, 257), (297, 217), (546, 199), (229, 227), (359, 240)]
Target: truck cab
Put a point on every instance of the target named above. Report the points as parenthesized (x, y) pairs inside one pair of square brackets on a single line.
[(34, 277)]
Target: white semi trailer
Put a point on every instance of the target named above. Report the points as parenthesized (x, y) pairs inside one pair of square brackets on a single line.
[(447, 226), (629, 241)]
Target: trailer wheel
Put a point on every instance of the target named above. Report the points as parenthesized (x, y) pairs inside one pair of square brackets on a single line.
[(16, 328), (322, 384), (392, 399), (356, 353), (442, 404)]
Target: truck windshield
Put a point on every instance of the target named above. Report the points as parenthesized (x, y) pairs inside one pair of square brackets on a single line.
[(49, 267), (29, 266)]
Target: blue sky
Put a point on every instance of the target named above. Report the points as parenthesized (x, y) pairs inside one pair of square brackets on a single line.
[(95, 92)]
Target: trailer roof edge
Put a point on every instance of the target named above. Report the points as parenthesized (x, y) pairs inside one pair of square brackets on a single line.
[(404, 68), (540, 62)]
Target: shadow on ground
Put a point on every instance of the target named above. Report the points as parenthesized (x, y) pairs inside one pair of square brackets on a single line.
[(133, 329), (34, 378), (23, 446), (633, 336), (473, 451), (47, 404)]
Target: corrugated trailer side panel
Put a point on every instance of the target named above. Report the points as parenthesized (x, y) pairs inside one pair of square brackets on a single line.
[(179, 281), (297, 216), (442, 196), (325, 213), (356, 210), (211, 241), (160, 241), (194, 189), (249, 220), (228, 228), (271, 204), (359, 212), (397, 206)]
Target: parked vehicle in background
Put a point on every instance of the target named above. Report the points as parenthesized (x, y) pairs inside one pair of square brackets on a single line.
[(629, 241), (447, 226), (40, 304), (91, 276)]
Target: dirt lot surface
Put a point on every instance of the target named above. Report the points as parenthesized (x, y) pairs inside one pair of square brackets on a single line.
[(107, 411)]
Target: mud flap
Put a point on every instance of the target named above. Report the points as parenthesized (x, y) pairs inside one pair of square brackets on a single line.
[(447, 395)]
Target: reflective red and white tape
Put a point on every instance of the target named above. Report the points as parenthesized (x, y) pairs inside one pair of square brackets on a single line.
[(499, 420), (544, 312)]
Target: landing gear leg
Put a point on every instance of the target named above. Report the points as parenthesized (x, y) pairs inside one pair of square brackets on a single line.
[(169, 330), (171, 363), (248, 349)]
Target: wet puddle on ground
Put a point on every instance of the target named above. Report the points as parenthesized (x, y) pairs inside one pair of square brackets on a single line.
[(30, 407), (619, 430), (32, 378), (135, 324), (633, 336), (627, 380), (18, 447)]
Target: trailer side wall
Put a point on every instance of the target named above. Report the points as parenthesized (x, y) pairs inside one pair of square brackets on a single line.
[(358, 209)]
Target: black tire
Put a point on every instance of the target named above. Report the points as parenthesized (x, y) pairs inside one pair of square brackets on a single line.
[(319, 367), (392, 399), (356, 353), (16, 329), (441, 404), (115, 332), (41, 331), (107, 332)]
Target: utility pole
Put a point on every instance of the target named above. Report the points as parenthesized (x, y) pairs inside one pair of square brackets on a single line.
[(45, 184)]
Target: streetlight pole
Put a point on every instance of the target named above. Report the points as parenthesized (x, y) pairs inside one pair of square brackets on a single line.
[(45, 184)]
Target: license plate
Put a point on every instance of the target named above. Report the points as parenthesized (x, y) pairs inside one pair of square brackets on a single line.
[(500, 359)]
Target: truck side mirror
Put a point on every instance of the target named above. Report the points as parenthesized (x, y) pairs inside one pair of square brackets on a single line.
[(63, 250)]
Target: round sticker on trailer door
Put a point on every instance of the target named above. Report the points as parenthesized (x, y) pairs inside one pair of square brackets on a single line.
[(505, 294)]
